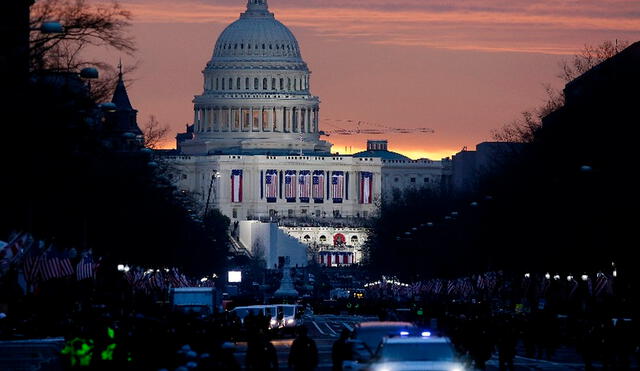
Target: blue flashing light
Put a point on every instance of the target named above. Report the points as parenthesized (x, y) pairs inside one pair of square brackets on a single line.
[(426, 333), (404, 333)]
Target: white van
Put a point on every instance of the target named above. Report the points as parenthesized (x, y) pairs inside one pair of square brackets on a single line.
[(291, 315), (269, 311)]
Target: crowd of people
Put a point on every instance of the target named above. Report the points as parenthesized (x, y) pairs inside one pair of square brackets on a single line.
[(609, 343)]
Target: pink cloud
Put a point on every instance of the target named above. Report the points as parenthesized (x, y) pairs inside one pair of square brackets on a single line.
[(463, 25)]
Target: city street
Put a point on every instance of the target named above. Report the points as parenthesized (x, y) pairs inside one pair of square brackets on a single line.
[(325, 329)]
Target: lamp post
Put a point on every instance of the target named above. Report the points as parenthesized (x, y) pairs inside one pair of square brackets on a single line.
[(214, 176)]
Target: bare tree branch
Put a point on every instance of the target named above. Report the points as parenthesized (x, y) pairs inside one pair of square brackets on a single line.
[(154, 133), (589, 57), (84, 25)]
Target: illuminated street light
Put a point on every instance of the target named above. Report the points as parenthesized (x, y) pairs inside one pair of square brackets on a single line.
[(89, 73), (584, 277), (547, 276), (51, 27), (527, 275)]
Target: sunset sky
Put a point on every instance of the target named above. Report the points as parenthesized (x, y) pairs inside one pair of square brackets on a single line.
[(460, 67)]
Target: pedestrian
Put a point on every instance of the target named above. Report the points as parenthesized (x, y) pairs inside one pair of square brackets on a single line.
[(261, 354), (506, 343), (304, 353), (341, 350)]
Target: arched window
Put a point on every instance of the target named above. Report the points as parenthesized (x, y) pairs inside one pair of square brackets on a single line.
[(263, 47), (230, 83), (235, 46), (354, 240), (273, 83), (246, 83), (255, 83), (238, 83), (281, 83), (241, 46), (295, 84), (323, 238), (288, 83), (217, 85), (306, 238), (222, 84), (264, 84)]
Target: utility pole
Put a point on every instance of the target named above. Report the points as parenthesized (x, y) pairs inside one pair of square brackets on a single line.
[(214, 175)]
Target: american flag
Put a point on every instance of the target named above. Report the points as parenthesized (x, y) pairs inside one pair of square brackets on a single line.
[(32, 262), (290, 185), (304, 184), (86, 268), (178, 279), (271, 185), (366, 188), (317, 188), (55, 264), (19, 243), (236, 186), (337, 186)]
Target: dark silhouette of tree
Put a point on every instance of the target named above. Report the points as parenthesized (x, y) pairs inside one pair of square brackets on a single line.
[(85, 25), (154, 133)]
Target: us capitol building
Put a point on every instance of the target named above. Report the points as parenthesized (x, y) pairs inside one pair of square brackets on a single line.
[(254, 152)]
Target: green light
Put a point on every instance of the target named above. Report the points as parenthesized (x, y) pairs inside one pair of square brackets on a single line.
[(107, 354), (111, 333)]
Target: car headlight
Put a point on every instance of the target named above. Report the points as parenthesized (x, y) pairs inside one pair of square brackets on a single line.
[(457, 368), (273, 322), (289, 321)]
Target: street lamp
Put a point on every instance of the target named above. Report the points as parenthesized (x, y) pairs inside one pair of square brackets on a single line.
[(214, 175), (50, 27)]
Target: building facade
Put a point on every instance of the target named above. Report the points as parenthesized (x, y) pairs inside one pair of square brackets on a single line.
[(254, 150)]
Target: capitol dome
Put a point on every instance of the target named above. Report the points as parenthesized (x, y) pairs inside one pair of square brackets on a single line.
[(256, 94)]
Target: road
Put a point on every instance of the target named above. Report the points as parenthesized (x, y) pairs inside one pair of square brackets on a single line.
[(325, 329)]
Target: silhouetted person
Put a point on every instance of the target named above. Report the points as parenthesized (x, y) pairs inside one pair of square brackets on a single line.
[(506, 342), (225, 360), (480, 343), (341, 350), (261, 354), (304, 353)]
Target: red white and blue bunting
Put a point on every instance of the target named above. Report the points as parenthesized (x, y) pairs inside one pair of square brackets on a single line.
[(236, 186), (271, 185), (304, 185), (290, 185), (366, 187)]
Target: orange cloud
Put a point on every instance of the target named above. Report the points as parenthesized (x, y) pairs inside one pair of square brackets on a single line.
[(526, 28)]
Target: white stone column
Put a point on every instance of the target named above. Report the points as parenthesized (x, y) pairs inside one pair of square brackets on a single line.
[(278, 117), (195, 120), (298, 128)]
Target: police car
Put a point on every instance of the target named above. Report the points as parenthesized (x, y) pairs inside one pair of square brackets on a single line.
[(408, 353)]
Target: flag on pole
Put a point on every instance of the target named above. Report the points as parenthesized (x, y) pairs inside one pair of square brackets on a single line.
[(337, 186), (236, 186), (366, 187), (318, 186), (304, 185), (15, 246), (271, 185), (55, 264), (290, 185), (86, 267)]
